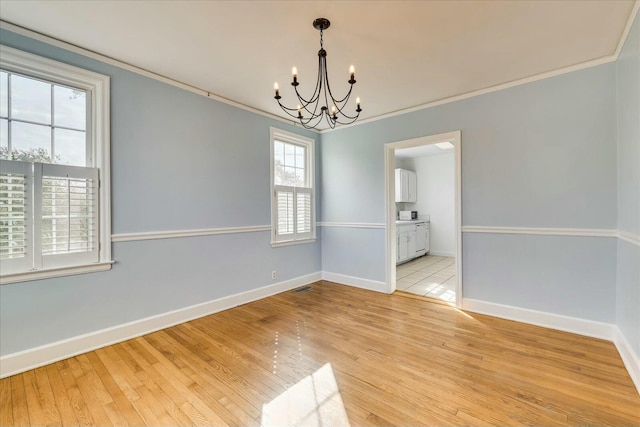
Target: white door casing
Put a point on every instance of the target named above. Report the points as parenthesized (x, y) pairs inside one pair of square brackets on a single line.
[(391, 243)]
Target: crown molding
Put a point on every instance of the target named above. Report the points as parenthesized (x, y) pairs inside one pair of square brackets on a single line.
[(627, 28)]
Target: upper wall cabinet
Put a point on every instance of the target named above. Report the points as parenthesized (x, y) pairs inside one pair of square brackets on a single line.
[(406, 186)]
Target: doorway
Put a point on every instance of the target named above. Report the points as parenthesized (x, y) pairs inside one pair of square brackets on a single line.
[(434, 271)]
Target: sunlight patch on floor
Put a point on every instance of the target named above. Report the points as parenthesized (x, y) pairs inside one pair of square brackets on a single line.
[(465, 314), (313, 401)]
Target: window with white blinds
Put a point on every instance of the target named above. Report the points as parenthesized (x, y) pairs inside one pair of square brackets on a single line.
[(54, 169), (292, 188)]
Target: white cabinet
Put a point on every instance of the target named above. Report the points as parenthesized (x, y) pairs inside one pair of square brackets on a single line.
[(422, 238), (406, 242), (406, 186), (412, 240)]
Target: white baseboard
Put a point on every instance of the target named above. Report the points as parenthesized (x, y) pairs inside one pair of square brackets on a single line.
[(629, 357), (358, 282), (574, 325), (440, 253), (15, 363)]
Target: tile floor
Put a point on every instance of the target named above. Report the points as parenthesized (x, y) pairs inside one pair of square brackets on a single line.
[(429, 276)]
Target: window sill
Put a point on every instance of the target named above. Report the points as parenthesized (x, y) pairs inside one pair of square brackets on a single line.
[(293, 242), (55, 272)]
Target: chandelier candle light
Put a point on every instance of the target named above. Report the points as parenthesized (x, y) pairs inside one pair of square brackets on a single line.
[(310, 112)]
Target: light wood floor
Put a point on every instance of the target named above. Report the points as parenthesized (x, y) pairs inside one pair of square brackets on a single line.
[(333, 356)]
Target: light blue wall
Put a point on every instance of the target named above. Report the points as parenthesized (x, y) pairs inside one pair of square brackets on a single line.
[(351, 251), (542, 154), (179, 161), (571, 275), (628, 269)]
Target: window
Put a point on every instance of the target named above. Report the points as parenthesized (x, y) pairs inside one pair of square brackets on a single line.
[(292, 200), (54, 168)]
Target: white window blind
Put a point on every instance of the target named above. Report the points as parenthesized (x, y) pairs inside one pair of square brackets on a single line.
[(285, 211), (293, 212), (16, 216), (67, 211), (303, 212)]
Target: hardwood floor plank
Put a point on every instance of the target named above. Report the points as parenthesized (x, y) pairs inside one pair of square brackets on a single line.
[(91, 399), (126, 383), (378, 359), (36, 414), (19, 407), (62, 399), (119, 398), (47, 400), (77, 402)]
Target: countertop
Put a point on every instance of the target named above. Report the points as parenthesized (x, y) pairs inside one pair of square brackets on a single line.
[(411, 221)]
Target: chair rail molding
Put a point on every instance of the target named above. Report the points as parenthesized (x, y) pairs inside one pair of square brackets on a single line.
[(542, 231)]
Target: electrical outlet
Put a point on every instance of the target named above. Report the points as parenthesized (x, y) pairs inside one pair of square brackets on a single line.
[(273, 274)]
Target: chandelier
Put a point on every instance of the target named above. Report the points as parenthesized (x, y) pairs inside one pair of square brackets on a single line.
[(309, 112)]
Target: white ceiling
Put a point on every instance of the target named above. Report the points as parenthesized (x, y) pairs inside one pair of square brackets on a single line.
[(406, 53), (421, 151)]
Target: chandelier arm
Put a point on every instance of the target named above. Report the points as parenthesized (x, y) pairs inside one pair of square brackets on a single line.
[(332, 123), (303, 122), (327, 111), (343, 100), (306, 123), (287, 110), (305, 104), (351, 119), (341, 109), (290, 114), (302, 100), (314, 114), (315, 101), (314, 117), (339, 105)]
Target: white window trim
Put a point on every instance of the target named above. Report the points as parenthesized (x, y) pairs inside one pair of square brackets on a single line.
[(309, 143), (98, 85)]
